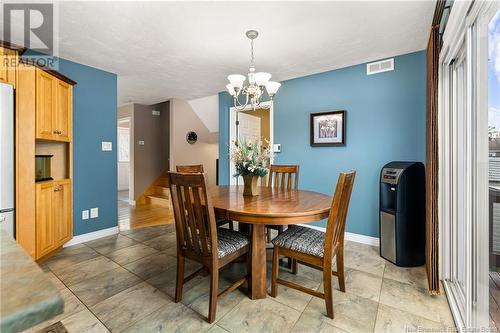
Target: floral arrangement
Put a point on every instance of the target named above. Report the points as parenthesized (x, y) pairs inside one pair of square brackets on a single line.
[(250, 157)]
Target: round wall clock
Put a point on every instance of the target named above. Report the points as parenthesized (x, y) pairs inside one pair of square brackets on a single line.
[(191, 137)]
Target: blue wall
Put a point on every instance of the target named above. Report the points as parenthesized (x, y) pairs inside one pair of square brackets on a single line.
[(385, 122), (94, 120)]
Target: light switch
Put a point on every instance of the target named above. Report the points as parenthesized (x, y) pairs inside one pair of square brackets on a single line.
[(156, 113), (94, 212), (141, 143), (85, 214), (277, 148), (107, 146)]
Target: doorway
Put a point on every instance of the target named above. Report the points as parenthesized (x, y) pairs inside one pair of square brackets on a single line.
[(251, 124), (124, 174)]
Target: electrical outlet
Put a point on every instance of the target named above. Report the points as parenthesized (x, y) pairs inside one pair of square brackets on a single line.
[(85, 214), (106, 146), (94, 212), (141, 143), (277, 148), (156, 113)]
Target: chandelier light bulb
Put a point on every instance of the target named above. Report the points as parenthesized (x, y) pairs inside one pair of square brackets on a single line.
[(272, 88), (230, 89), (262, 78), (236, 80)]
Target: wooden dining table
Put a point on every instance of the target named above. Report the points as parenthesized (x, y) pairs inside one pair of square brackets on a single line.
[(270, 207)]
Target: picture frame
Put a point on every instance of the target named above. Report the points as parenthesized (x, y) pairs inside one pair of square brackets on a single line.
[(328, 128)]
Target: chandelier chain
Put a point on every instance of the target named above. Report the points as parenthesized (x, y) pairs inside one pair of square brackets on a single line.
[(252, 61)]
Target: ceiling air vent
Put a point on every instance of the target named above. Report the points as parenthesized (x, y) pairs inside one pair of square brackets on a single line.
[(380, 66)]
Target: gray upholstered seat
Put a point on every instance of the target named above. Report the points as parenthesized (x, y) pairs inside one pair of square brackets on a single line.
[(301, 239), (230, 241)]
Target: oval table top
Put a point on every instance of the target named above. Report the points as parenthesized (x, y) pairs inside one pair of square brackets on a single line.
[(270, 206)]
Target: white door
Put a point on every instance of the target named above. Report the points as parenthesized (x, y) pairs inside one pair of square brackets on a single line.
[(248, 127)]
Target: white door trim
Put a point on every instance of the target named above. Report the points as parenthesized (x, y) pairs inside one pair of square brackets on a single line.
[(130, 119), (232, 132)]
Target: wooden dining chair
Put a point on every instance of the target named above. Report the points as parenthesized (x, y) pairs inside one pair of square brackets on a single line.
[(198, 237), (198, 168), (282, 177), (316, 248)]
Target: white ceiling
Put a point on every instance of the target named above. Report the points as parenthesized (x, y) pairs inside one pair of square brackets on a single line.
[(186, 49)]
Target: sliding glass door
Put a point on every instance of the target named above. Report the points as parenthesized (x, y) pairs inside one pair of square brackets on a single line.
[(456, 280), (463, 163)]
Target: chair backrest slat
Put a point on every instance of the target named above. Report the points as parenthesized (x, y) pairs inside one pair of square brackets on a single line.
[(284, 177), (200, 219), (183, 236), (338, 213), (193, 213), (198, 168), (191, 219)]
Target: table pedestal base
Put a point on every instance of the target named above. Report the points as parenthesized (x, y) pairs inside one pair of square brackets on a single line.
[(258, 288)]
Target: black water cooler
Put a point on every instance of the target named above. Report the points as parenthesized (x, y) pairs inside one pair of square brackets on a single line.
[(402, 213)]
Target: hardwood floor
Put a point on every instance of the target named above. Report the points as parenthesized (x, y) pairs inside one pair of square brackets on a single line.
[(495, 299), (140, 216)]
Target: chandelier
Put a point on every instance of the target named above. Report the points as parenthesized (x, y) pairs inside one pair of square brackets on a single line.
[(257, 82)]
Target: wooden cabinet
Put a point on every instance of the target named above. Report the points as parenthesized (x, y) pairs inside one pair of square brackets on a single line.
[(54, 104), (44, 109), (62, 211), (45, 105), (64, 106), (8, 64), (54, 225), (45, 229)]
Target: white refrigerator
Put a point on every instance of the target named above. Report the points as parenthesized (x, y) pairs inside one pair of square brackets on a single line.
[(7, 202)]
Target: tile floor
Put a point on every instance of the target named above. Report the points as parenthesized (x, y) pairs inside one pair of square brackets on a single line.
[(126, 283)]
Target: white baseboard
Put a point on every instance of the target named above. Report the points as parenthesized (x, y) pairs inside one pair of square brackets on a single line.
[(369, 240), (92, 236)]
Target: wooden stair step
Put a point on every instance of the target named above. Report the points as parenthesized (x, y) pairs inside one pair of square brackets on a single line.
[(161, 190), (162, 182), (159, 199), (158, 196)]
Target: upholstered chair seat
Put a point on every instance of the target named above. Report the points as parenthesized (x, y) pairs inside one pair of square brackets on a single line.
[(230, 241), (301, 239)]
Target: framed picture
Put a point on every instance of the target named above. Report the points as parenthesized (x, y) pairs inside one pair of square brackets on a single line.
[(328, 128)]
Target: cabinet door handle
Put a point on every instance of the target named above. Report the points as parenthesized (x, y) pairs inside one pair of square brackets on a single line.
[(57, 189)]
